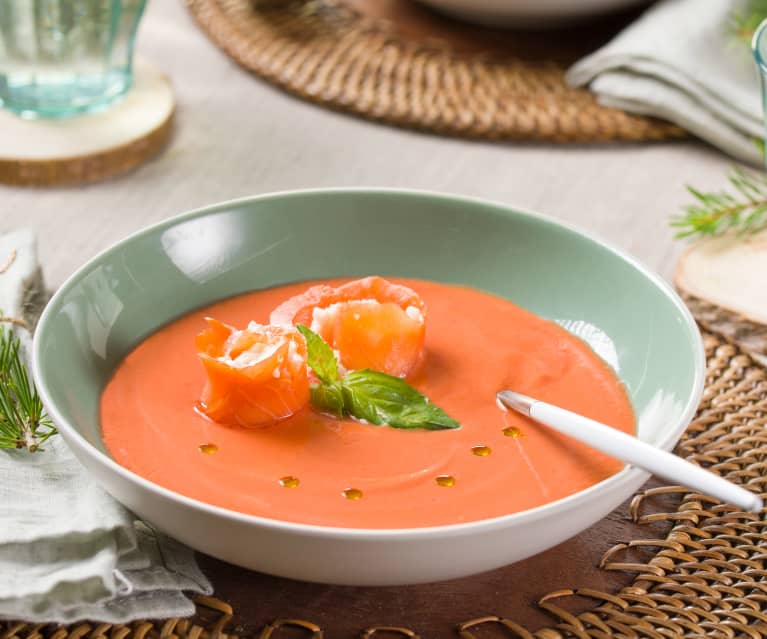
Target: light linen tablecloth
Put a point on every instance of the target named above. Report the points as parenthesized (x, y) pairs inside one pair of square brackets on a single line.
[(68, 551)]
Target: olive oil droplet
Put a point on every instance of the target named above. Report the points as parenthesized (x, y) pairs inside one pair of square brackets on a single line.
[(445, 480), (208, 449), (481, 451), (289, 481), (512, 431), (352, 494)]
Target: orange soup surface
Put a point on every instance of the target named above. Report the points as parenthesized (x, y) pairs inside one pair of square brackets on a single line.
[(314, 469)]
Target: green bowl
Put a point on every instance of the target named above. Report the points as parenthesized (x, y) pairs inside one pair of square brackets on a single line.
[(629, 315)]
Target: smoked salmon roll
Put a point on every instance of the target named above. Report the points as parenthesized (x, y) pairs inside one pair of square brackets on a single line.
[(371, 323), (255, 376)]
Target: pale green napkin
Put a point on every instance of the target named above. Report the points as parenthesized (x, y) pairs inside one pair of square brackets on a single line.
[(68, 551), (681, 62)]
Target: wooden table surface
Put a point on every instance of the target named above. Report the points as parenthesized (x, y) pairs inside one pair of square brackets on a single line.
[(236, 136)]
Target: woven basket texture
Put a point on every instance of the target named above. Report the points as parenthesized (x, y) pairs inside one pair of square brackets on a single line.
[(328, 52)]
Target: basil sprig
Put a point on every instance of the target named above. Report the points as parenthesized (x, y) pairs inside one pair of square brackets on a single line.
[(368, 395)]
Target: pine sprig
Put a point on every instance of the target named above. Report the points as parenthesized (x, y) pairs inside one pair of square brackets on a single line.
[(746, 19), (23, 420), (742, 209)]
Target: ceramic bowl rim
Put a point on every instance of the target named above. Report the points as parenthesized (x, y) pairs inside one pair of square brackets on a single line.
[(73, 437)]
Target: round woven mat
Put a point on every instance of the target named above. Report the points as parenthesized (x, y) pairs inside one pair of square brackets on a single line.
[(707, 577), (393, 62)]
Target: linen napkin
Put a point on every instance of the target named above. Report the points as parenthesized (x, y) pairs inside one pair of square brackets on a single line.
[(68, 551), (681, 62)]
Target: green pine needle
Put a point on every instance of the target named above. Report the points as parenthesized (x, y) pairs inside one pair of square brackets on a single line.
[(23, 420), (745, 20), (742, 209)]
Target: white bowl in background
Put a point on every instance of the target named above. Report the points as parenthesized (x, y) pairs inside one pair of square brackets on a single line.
[(528, 13)]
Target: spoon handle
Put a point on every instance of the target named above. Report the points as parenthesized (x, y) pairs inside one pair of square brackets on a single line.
[(632, 450)]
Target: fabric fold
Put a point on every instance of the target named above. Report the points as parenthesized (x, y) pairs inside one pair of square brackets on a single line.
[(68, 550), (681, 62)]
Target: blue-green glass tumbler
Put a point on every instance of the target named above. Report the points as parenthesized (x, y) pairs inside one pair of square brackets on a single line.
[(60, 58), (759, 47)]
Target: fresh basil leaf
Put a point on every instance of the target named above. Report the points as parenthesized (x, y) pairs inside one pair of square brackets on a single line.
[(320, 356), (426, 416), (386, 388), (384, 399), (328, 398), (368, 395)]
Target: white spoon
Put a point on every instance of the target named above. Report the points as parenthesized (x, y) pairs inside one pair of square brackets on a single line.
[(631, 450)]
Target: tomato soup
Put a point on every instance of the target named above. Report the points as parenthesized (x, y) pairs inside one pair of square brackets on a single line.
[(315, 469)]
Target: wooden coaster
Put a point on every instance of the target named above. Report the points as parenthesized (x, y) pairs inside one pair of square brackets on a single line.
[(395, 62), (722, 281), (90, 147)]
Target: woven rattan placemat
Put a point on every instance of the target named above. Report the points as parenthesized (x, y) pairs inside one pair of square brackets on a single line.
[(394, 62), (706, 577)]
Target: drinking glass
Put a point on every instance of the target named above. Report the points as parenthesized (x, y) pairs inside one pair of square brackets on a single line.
[(63, 57), (759, 47)]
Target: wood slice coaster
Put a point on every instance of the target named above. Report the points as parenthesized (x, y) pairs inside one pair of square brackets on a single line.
[(669, 563), (395, 62), (722, 280), (90, 147)]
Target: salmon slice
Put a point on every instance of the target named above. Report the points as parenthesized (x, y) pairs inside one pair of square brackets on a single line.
[(255, 376), (371, 322)]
